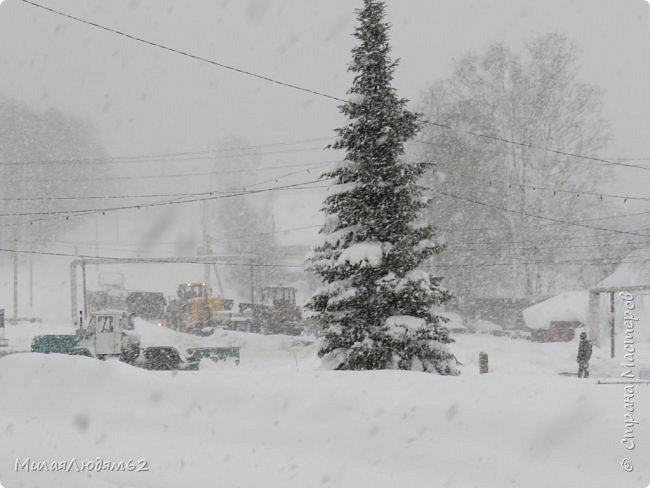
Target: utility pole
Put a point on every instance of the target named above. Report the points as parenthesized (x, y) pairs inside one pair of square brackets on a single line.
[(83, 281), (31, 281), (15, 266), (253, 282), (612, 327), (218, 277), (206, 242), (15, 263)]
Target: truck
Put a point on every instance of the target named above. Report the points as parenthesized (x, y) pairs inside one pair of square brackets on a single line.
[(277, 314), (149, 305), (108, 333), (196, 311)]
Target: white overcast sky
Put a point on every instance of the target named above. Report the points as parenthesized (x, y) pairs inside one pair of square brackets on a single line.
[(145, 100)]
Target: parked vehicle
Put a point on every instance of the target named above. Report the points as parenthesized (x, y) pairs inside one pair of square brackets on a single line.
[(520, 334), (561, 331), (278, 312), (111, 333), (81, 351), (108, 333), (162, 358), (195, 308), (202, 331), (107, 299), (60, 344), (215, 353), (148, 305)]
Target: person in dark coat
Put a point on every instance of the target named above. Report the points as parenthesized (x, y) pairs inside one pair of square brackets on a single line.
[(584, 354)]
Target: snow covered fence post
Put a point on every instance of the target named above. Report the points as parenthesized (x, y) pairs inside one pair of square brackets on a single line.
[(376, 305), (483, 362)]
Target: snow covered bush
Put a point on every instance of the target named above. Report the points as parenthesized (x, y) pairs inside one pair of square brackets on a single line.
[(376, 302)]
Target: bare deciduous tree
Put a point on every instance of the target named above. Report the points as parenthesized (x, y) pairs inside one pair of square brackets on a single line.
[(533, 98)]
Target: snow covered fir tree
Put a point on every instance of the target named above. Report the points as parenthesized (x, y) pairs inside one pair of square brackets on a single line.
[(376, 305)]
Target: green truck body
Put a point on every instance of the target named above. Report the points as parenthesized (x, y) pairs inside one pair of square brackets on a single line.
[(56, 343)]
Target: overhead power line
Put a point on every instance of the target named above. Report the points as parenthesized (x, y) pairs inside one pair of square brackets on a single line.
[(628, 159), (240, 151), (129, 260), (134, 244), (578, 262), (320, 93), (576, 193), (585, 262), (111, 197), (89, 211), (540, 217), (458, 245), (142, 177), (445, 126), (308, 167), (552, 223), (187, 54), (534, 246), (529, 146), (500, 252), (541, 187)]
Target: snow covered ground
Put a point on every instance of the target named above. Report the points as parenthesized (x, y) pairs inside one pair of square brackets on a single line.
[(277, 420)]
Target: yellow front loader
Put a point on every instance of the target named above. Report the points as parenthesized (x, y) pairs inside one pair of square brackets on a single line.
[(195, 308)]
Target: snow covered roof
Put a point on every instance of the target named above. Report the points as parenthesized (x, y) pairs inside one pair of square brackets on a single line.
[(635, 270), (567, 306), (574, 305)]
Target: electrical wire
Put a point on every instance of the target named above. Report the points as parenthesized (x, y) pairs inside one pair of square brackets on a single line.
[(140, 177), (322, 94), (540, 217), (187, 54), (308, 167), (175, 156), (584, 262), (428, 122), (536, 187), (70, 213)]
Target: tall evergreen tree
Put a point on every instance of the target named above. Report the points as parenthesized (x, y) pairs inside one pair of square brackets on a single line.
[(376, 302)]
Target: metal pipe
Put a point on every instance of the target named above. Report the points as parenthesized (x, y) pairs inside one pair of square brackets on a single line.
[(73, 290), (15, 266), (83, 278)]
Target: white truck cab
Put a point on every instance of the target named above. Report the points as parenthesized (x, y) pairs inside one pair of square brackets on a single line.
[(111, 333)]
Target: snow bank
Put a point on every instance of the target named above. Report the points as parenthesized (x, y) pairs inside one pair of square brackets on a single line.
[(311, 428), (567, 306), (257, 351), (484, 326), (279, 420)]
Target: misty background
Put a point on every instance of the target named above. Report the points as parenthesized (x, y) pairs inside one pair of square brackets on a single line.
[(121, 118)]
